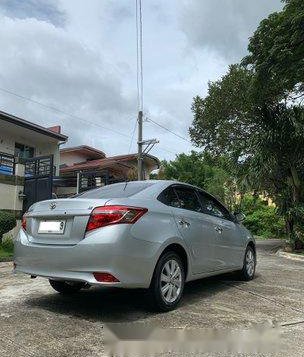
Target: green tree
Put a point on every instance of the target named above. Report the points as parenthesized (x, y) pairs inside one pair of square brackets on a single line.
[(248, 115), (276, 53), (202, 170)]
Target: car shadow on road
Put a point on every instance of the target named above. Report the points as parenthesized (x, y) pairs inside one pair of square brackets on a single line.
[(124, 305)]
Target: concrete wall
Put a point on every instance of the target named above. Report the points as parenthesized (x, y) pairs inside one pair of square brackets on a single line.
[(10, 187)]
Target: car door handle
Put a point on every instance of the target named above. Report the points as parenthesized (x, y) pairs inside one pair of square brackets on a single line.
[(183, 223), (218, 229)]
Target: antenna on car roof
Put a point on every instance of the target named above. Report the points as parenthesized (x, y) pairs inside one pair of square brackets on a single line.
[(126, 183)]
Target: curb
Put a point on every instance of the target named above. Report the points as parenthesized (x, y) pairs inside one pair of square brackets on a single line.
[(291, 256)]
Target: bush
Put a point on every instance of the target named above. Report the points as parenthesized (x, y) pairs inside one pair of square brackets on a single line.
[(262, 219), (7, 222), (7, 244)]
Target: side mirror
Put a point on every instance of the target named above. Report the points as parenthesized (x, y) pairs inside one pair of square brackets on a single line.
[(239, 216)]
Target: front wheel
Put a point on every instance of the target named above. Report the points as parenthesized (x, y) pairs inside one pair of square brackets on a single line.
[(168, 282), (67, 287), (249, 265)]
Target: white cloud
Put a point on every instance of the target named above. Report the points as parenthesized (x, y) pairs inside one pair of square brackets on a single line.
[(57, 70), (81, 57), (43, 10), (224, 26)]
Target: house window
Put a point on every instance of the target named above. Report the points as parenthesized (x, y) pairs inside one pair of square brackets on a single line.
[(23, 151)]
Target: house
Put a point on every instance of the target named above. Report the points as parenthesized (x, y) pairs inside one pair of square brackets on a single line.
[(83, 167), (33, 168), (25, 140), (29, 158)]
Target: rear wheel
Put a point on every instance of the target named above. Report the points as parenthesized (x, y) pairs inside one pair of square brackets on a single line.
[(168, 282), (249, 265), (67, 287)]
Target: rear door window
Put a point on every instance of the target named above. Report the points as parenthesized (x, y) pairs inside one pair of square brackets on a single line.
[(169, 197), (188, 198), (213, 207)]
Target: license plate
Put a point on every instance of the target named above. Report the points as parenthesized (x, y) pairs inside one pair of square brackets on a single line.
[(51, 227)]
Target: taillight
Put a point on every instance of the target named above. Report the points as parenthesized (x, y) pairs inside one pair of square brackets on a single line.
[(105, 278), (23, 223), (108, 215)]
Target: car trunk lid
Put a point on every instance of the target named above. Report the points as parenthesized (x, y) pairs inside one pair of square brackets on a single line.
[(61, 221)]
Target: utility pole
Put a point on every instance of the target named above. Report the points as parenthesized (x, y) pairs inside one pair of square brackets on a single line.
[(146, 144), (140, 146)]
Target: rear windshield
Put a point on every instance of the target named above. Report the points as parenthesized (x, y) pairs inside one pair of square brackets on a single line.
[(116, 190)]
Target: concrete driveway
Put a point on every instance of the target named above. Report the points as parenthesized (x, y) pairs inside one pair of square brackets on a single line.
[(36, 321)]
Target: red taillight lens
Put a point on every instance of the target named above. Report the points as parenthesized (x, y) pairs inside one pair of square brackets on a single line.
[(105, 278), (107, 215), (23, 223)]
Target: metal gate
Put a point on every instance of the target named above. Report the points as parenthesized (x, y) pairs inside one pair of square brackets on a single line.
[(86, 180), (38, 184)]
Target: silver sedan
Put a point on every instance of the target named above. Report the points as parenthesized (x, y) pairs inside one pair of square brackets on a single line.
[(155, 235)]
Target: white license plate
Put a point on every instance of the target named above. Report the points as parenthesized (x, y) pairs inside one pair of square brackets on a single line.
[(51, 227)]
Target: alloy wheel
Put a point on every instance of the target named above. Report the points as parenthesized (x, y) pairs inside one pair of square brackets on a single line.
[(171, 281), (250, 262)]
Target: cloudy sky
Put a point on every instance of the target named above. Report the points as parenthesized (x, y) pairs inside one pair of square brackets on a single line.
[(80, 57)]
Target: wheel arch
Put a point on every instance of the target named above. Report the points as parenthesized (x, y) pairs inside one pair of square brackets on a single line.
[(251, 244), (182, 253)]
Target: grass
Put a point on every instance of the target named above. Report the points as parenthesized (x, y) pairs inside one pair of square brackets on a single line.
[(267, 238), (6, 249)]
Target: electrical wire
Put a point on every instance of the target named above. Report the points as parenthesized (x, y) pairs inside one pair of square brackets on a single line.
[(48, 107), (170, 131), (62, 112)]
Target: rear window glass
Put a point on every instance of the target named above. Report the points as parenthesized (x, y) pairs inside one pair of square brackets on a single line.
[(116, 190)]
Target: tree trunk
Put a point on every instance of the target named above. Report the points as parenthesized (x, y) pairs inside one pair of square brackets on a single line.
[(296, 197)]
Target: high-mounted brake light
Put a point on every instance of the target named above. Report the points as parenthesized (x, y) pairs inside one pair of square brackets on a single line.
[(108, 215), (23, 222)]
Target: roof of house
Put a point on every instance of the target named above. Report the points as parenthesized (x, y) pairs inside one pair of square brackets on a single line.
[(85, 149), (32, 126), (107, 162)]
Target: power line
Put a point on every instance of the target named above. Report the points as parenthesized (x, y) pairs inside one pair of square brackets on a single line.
[(166, 150), (170, 131), (62, 112), (80, 119)]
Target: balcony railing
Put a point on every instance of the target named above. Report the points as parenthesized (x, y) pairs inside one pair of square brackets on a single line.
[(7, 164)]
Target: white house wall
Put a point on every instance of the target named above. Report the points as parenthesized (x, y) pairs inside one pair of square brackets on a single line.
[(44, 147)]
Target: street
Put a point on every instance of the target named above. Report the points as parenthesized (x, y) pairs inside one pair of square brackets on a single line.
[(36, 321)]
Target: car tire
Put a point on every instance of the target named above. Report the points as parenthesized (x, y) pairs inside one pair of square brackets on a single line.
[(67, 287), (249, 264), (168, 282)]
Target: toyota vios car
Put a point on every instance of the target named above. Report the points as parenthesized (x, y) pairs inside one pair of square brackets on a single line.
[(155, 235)]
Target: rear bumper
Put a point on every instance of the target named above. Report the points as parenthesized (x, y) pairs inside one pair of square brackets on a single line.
[(130, 260)]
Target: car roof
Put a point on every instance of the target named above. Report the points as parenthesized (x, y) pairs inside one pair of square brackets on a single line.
[(174, 182), (163, 184)]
